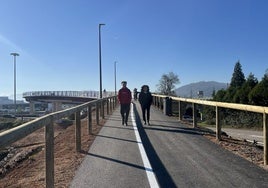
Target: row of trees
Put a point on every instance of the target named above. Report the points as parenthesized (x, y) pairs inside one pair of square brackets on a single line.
[(244, 90), (241, 90)]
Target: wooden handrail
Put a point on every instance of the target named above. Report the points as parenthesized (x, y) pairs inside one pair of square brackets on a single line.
[(159, 101), (12, 135)]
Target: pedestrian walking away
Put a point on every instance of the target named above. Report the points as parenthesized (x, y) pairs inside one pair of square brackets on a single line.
[(124, 98), (145, 99), (135, 93)]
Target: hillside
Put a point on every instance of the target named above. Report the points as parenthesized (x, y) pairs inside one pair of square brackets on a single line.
[(191, 90)]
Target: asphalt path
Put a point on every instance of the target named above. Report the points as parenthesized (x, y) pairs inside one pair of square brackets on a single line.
[(113, 160), (179, 157)]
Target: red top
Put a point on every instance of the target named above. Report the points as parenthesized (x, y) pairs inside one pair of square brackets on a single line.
[(124, 96)]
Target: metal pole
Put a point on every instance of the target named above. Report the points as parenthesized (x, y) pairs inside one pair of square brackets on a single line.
[(15, 103), (115, 78), (100, 59)]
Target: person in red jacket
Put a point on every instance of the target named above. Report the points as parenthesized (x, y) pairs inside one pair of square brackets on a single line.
[(124, 98)]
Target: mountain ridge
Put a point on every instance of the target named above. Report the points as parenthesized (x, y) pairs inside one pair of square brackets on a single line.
[(207, 87)]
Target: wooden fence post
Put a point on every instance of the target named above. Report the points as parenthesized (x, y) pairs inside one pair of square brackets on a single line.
[(49, 136), (108, 106), (265, 139), (112, 101), (194, 115), (179, 109), (89, 119), (102, 109), (78, 131), (111, 104), (218, 125), (116, 102), (97, 113)]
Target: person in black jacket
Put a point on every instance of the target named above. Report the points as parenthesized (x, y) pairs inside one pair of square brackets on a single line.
[(145, 99)]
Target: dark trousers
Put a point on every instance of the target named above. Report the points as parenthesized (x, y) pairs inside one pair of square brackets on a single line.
[(124, 110), (146, 110)]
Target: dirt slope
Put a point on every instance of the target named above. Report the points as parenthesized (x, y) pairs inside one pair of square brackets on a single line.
[(26, 167)]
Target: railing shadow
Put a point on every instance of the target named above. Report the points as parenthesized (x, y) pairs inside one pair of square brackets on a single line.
[(113, 160), (109, 137), (177, 130)]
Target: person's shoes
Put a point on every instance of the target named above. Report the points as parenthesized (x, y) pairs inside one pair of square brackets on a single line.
[(126, 123), (144, 122), (148, 123), (122, 122)]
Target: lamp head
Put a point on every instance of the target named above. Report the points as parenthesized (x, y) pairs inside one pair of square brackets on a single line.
[(14, 54)]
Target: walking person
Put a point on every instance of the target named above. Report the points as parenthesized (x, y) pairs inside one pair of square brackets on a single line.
[(124, 98), (135, 93), (145, 99)]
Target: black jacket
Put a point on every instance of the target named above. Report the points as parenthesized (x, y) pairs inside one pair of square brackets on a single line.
[(145, 99)]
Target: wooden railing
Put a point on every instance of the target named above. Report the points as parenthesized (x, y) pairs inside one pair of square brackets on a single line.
[(161, 102), (12, 135)]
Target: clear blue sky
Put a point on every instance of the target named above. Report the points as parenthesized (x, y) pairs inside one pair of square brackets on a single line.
[(199, 40)]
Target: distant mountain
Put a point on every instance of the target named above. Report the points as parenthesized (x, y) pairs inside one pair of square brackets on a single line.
[(192, 90)]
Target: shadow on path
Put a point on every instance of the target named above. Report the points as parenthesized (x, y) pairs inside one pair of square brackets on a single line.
[(114, 160), (163, 177)]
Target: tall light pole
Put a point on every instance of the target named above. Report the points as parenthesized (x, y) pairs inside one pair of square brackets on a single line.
[(100, 59), (15, 105), (115, 78)]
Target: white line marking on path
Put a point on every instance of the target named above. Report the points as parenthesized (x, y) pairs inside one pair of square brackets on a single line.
[(149, 171)]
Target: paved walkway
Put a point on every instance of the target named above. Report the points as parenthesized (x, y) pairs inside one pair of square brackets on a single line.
[(179, 157)]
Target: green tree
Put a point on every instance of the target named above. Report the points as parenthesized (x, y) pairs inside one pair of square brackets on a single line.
[(230, 93), (259, 94), (219, 96), (237, 81), (167, 83), (238, 77), (242, 95)]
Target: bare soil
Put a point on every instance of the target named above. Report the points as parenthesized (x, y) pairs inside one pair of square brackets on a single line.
[(25, 165)]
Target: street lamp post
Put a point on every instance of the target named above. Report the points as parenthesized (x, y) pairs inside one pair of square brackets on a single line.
[(15, 105), (100, 59), (115, 78)]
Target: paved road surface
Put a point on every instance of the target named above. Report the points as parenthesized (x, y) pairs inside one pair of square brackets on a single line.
[(245, 134), (242, 134), (179, 156)]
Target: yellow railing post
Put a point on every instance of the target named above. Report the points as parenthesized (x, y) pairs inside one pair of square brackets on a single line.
[(89, 119), (97, 113), (49, 136), (194, 115), (77, 131), (179, 109), (265, 139), (218, 125)]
